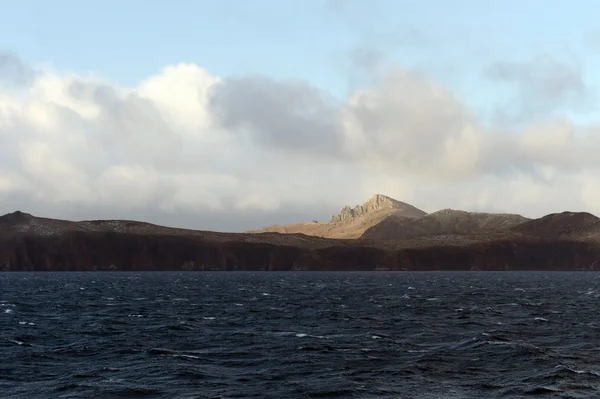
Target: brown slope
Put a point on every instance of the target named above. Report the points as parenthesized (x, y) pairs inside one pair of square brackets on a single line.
[(444, 222), (351, 222)]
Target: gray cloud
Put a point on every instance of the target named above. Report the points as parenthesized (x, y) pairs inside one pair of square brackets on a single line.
[(543, 86), (127, 128), (13, 71), (290, 116)]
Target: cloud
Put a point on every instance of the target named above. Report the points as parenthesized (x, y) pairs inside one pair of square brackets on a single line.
[(370, 57), (185, 147), (543, 85), (413, 126), (13, 72), (289, 116)]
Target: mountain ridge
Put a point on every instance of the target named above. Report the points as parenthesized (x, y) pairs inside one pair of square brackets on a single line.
[(562, 241), (350, 222), (376, 203), (445, 221), (385, 218)]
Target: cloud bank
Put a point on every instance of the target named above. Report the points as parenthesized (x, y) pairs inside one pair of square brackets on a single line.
[(185, 147)]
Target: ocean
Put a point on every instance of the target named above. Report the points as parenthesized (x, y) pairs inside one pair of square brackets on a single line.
[(300, 335)]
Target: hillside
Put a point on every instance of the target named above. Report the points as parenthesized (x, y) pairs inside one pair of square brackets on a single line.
[(446, 221), (384, 218), (23, 225), (350, 222), (567, 241), (574, 225)]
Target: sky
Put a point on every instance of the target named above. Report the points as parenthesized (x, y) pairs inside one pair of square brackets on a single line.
[(234, 115)]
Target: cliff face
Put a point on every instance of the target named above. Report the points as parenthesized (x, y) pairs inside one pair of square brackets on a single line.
[(28, 243), (119, 252)]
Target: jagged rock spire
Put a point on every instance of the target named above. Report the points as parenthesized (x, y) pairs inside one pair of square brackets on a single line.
[(377, 202)]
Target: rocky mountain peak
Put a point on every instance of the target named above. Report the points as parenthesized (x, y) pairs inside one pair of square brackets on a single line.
[(375, 203), (380, 201)]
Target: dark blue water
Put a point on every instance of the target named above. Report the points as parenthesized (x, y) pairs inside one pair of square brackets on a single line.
[(299, 335)]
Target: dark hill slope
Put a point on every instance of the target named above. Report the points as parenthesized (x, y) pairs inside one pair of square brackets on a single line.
[(444, 222), (29, 243)]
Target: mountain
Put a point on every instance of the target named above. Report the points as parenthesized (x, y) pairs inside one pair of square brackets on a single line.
[(446, 221), (376, 204), (29, 243), (444, 240), (385, 218), (351, 222)]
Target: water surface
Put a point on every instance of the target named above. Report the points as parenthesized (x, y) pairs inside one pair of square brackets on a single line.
[(299, 335)]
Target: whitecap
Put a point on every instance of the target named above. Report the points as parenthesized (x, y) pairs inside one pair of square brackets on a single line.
[(209, 318), (301, 335), (188, 356)]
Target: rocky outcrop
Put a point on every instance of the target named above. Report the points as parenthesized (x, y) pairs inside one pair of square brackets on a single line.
[(384, 218), (350, 223), (377, 203)]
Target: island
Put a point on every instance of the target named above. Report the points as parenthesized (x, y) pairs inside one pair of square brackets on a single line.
[(381, 234)]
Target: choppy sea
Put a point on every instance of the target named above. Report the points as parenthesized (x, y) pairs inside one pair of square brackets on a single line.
[(300, 335)]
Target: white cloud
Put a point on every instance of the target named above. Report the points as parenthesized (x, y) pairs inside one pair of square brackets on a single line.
[(414, 126), (181, 95), (251, 150)]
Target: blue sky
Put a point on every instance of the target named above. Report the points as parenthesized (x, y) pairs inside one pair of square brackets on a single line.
[(310, 39), (505, 99)]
